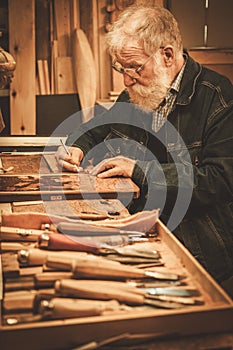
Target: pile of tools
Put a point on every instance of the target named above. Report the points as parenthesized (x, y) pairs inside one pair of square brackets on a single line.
[(78, 269)]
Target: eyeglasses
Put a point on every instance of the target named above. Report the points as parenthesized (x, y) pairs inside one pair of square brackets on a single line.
[(132, 72)]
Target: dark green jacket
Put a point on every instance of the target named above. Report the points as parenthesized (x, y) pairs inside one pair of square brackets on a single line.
[(187, 165)]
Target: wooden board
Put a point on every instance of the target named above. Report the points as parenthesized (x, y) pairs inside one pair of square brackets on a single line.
[(27, 163), (23, 182), (62, 18), (84, 209), (23, 86), (64, 186), (85, 73), (65, 75)]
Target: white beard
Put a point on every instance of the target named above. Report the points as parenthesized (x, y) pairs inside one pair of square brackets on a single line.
[(148, 98)]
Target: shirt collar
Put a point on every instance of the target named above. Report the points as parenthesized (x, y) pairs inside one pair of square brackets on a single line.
[(176, 83)]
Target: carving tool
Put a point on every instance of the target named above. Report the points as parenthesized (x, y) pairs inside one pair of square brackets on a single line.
[(96, 245), (105, 269), (84, 229), (20, 234), (171, 291), (36, 257), (56, 308), (104, 292), (78, 169)]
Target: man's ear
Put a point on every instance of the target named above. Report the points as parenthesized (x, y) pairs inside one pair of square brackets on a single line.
[(168, 55)]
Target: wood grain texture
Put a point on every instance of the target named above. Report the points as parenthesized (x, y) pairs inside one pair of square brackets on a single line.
[(23, 87), (62, 18), (85, 73), (65, 76), (64, 186)]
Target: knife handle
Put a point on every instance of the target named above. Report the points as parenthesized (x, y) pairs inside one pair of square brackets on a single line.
[(32, 257), (47, 279), (59, 241), (73, 288), (104, 269), (67, 307), (19, 234), (95, 268)]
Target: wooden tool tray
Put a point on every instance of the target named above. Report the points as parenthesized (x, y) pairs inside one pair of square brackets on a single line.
[(215, 315)]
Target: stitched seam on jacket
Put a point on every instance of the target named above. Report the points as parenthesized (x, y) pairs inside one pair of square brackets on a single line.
[(220, 240)]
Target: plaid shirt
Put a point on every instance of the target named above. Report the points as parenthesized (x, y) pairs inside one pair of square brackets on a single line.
[(160, 114)]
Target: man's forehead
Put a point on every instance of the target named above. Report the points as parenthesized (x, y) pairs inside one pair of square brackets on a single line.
[(131, 50)]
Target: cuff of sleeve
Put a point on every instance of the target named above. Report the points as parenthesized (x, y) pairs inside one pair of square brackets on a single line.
[(139, 173)]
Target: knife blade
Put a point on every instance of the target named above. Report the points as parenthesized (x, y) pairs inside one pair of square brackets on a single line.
[(171, 291)]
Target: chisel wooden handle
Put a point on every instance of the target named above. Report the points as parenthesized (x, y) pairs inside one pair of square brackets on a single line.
[(104, 269), (67, 307), (69, 287), (59, 241), (109, 285), (22, 300), (47, 279), (99, 268), (69, 262), (92, 244), (19, 234), (33, 257)]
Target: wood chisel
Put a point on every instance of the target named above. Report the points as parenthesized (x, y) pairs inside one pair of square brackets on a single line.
[(105, 269), (102, 292)]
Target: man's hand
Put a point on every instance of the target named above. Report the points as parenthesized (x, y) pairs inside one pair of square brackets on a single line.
[(118, 166), (69, 162)]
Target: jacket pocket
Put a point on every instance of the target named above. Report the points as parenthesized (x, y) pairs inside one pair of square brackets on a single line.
[(118, 143), (185, 154)]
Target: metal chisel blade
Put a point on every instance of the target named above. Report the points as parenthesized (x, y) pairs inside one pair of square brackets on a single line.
[(155, 284), (176, 299), (163, 275), (171, 291), (163, 304)]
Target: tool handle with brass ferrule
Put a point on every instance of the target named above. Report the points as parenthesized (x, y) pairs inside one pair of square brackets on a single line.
[(32, 257), (38, 257), (59, 241), (92, 244), (19, 234)]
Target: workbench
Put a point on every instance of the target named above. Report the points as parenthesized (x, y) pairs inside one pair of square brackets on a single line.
[(205, 326)]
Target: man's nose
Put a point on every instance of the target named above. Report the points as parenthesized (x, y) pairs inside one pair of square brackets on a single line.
[(128, 80)]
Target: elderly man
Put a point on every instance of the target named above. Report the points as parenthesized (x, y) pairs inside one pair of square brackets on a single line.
[(171, 132)]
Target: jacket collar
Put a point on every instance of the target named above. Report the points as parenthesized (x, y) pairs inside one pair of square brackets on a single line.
[(188, 84)]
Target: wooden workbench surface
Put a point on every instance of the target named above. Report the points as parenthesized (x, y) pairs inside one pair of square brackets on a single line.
[(30, 176)]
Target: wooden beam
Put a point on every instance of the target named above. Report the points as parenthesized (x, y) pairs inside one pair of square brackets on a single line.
[(23, 86), (212, 56)]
